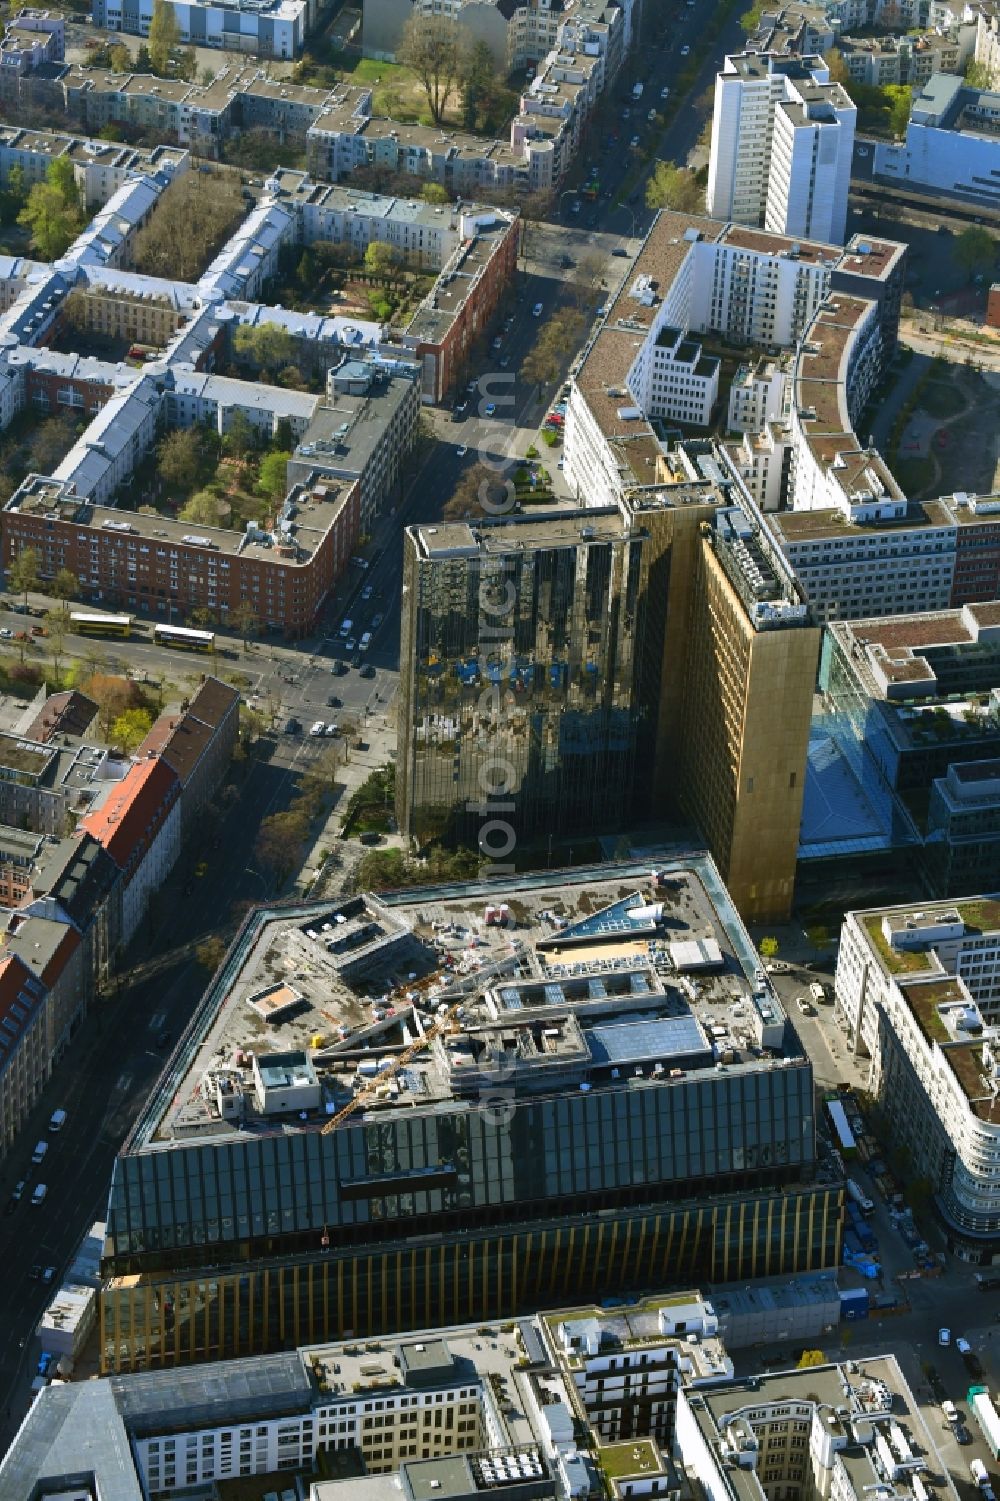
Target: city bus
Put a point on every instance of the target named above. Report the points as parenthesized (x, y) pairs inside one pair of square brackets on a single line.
[(184, 639), (84, 624)]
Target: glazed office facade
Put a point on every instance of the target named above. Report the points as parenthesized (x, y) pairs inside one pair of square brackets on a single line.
[(164, 1319), (217, 1249), (524, 655)]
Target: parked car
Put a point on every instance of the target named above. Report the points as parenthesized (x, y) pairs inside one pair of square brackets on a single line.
[(944, 1337), (368, 670), (317, 728), (367, 592), (806, 1007), (334, 702)]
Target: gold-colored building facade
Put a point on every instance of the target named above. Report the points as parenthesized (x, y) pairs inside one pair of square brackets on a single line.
[(745, 737), (156, 1320)]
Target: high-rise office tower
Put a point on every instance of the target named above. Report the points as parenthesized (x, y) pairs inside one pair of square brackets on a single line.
[(782, 142), (611, 665)]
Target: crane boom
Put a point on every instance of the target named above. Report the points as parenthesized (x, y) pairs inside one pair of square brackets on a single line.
[(400, 1061)]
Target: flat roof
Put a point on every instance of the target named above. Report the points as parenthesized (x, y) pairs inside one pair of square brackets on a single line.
[(372, 971)]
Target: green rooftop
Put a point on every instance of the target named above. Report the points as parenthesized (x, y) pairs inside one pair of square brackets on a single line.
[(896, 961), (631, 1457)]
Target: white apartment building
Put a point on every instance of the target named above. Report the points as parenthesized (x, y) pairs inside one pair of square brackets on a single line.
[(782, 143), (758, 395), (260, 28), (763, 462), (673, 379), (694, 276), (918, 994)]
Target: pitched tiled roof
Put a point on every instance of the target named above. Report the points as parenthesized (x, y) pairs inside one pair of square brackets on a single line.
[(21, 995), (182, 739), (213, 701), (69, 713), (129, 819)]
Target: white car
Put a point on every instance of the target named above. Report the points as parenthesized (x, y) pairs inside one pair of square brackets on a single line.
[(862, 150), (536, 311), (462, 450), (806, 1007), (318, 728), (497, 342), (664, 92), (575, 206), (944, 1337), (962, 1346), (366, 592), (6, 635), (332, 729), (685, 51)]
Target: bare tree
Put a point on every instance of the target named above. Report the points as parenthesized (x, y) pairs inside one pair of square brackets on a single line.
[(429, 47)]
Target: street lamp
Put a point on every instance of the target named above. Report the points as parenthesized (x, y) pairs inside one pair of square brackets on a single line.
[(250, 871)]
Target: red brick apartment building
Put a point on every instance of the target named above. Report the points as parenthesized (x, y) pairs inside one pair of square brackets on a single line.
[(163, 569), (460, 306)]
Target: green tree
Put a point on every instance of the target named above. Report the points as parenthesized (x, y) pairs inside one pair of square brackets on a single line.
[(120, 58), (674, 187), (429, 48), (14, 196), (48, 444), (974, 250), (265, 344), (899, 97), (205, 508), (243, 618), (60, 175), (143, 61), (478, 82), (434, 192), (278, 846), (978, 75), (164, 36), (751, 19), (113, 695), (769, 948), (64, 588), (272, 481), (53, 224), (380, 259), (240, 437), (130, 729), (179, 458), (22, 573)]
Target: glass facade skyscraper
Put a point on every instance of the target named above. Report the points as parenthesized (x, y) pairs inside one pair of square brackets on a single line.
[(522, 648)]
